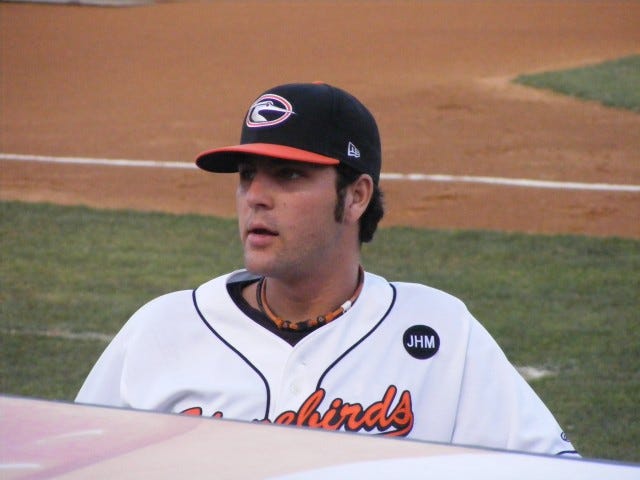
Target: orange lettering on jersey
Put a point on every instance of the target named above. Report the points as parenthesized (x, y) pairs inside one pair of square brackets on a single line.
[(193, 411), (307, 414), (396, 421), (197, 412), (390, 420)]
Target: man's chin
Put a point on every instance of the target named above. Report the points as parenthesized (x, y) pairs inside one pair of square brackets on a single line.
[(256, 267)]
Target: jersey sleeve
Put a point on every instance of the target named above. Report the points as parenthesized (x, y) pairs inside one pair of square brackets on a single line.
[(498, 408), (103, 384), (108, 383)]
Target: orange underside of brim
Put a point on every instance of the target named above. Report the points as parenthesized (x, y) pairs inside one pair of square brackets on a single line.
[(277, 151)]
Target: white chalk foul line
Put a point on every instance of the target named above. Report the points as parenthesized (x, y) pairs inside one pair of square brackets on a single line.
[(62, 334), (510, 182), (411, 177), (109, 162)]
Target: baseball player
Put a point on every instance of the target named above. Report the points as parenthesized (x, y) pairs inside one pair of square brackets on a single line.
[(303, 335)]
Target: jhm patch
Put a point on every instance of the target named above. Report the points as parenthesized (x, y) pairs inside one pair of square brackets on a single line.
[(421, 342)]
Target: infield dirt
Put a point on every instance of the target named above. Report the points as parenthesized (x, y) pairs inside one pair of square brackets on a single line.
[(168, 80)]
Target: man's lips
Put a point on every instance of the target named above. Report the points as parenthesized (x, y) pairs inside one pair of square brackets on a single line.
[(262, 231), (260, 235), (258, 228)]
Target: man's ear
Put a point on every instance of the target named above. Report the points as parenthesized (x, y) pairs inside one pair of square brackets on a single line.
[(357, 198)]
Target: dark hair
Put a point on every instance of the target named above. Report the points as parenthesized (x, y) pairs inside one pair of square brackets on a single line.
[(375, 210)]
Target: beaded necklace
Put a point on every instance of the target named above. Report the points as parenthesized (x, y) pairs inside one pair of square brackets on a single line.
[(261, 297)]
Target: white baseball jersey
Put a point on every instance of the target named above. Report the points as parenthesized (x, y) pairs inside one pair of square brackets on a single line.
[(406, 360)]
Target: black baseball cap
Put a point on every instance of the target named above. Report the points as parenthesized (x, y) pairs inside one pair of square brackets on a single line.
[(304, 122)]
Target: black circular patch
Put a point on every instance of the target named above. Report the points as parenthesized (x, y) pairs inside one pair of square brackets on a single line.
[(421, 341)]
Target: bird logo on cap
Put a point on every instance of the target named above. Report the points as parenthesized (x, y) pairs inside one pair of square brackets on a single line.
[(269, 110)]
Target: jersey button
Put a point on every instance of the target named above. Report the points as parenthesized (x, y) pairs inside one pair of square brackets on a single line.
[(293, 388)]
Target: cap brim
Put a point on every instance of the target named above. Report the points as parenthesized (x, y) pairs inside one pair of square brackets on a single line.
[(225, 159)]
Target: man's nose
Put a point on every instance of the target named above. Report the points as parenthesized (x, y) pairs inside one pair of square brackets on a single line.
[(258, 191)]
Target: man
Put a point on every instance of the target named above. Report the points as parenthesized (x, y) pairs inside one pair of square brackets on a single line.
[(303, 335)]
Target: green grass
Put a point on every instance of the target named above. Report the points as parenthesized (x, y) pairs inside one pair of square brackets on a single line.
[(613, 83), (569, 304)]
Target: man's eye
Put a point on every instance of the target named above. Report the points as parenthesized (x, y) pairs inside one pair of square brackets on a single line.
[(289, 173), (246, 173)]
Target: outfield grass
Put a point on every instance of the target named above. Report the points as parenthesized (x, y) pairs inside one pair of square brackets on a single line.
[(568, 304), (614, 83)]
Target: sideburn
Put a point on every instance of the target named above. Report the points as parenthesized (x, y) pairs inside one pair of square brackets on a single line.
[(345, 177), (338, 211)]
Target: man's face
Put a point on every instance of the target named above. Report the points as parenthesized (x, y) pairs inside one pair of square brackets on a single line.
[(286, 217)]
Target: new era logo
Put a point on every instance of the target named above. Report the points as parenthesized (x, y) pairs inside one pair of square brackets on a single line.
[(352, 151)]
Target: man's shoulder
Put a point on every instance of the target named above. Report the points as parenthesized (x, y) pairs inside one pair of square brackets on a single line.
[(167, 303), (430, 294), (179, 308), (415, 292), (411, 300)]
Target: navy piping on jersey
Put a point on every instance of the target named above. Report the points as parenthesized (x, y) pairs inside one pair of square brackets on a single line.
[(567, 452), (232, 348), (350, 349)]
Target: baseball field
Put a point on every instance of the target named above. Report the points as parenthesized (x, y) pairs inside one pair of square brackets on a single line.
[(523, 201)]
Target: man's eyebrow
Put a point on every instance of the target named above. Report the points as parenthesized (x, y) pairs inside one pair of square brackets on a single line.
[(246, 161)]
